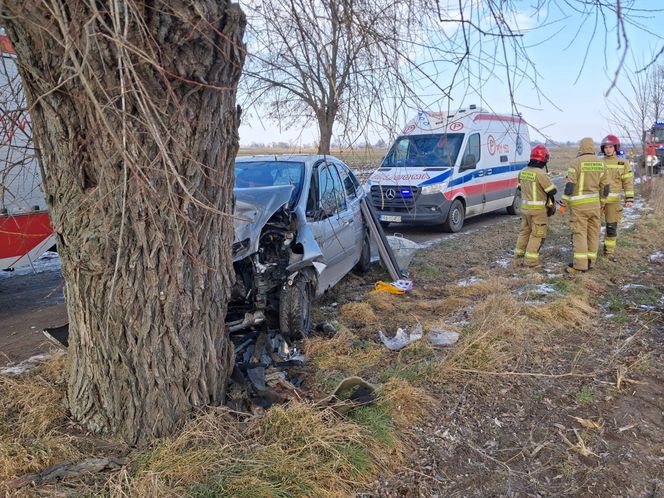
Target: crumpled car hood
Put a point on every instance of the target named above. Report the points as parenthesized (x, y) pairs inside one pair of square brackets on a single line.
[(253, 208)]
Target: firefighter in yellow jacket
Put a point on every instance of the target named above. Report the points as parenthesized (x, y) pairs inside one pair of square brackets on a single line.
[(537, 203), (621, 178), (585, 193)]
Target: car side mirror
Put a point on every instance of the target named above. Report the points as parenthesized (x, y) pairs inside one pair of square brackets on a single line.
[(469, 162)]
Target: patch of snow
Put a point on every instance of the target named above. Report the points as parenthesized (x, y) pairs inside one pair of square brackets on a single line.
[(545, 289), (632, 286), (541, 289), (657, 257), (503, 263), (609, 315), (49, 261), (468, 281), (25, 365), (534, 303), (647, 307)]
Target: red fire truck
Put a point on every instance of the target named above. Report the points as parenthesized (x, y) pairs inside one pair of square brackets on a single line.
[(655, 147), (25, 229)]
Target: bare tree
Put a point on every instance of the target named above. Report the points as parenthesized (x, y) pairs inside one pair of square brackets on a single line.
[(133, 111), (324, 60), (637, 103), (357, 63)]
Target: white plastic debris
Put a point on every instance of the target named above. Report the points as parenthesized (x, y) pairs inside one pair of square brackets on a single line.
[(402, 338), (439, 337), (503, 263), (403, 249)]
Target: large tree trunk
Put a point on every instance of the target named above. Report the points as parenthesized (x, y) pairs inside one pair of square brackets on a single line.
[(325, 124), (133, 110)]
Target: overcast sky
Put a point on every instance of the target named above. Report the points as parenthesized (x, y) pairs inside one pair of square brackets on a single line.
[(557, 46)]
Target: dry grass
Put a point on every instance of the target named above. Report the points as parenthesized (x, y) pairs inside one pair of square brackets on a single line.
[(302, 450), (653, 190), (294, 450), (299, 449), (361, 316), (31, 421)]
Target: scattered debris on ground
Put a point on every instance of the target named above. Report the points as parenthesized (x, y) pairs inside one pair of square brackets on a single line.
[(553, 387)]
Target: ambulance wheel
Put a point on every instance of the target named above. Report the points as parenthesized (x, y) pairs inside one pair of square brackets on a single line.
[(455, 217), (515, 208)]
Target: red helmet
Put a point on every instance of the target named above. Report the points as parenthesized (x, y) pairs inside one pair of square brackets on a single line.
[(539, 153), (610, 140)]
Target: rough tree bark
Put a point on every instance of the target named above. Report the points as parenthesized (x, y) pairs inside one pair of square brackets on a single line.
[(133, 110), (326, 120)]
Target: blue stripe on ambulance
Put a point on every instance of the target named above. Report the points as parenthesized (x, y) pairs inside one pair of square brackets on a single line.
[(473, 174)]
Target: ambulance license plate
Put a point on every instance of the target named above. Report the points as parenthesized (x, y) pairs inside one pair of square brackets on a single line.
[(393, 219)]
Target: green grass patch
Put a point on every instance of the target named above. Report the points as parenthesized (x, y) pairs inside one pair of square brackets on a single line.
[(648, 296), (564, 286), (586, 395), (616, 303), (621, 318), (377, 421), (429, 271), (625, 243), (416, 373), (566, 470)]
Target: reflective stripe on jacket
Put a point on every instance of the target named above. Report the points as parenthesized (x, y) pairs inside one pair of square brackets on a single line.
[(620, 177), (535, 185), (588, 175)]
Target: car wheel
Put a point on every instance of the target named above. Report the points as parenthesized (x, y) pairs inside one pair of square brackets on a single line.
[(364, 264), (455, 217), (295, 300), (515, 208)]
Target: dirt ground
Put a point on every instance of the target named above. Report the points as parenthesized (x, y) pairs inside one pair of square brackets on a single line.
[(555, 388), (572, 407), (28, 304)]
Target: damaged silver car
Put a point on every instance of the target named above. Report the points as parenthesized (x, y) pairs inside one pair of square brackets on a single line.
[(299, 230)]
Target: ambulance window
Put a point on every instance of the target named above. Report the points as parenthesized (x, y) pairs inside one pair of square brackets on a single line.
[(472, 148)]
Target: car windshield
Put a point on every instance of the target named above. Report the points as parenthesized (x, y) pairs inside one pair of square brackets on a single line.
[(658, 135), (437, 150), (252, 174)]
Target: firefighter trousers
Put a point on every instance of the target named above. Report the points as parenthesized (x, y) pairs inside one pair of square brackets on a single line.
[(585, 220), (531, 236), (612, 216)]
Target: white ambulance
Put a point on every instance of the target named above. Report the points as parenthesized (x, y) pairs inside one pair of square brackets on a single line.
[(445, 168)]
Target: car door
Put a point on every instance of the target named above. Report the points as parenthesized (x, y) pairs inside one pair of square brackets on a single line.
[(352, 190), (330, 222)]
